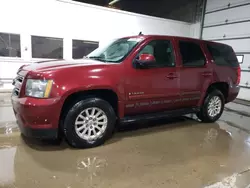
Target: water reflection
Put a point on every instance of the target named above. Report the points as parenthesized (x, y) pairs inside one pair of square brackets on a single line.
[(89, 169), (66, 168), (228, 182), (211, 136), (7, 128), (7, 158)]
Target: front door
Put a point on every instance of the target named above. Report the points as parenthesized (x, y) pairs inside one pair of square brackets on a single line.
[(156, 88), (195, 73)]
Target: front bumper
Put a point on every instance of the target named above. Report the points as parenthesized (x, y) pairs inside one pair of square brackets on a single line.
[(38, 118), (39, 133)]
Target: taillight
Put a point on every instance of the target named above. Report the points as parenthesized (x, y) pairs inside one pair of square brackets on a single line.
[(238, 75)]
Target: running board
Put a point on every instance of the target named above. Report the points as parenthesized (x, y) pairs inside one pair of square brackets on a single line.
[(158, 115)]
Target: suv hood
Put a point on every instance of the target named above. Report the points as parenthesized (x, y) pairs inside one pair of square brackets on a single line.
[(59, 64)]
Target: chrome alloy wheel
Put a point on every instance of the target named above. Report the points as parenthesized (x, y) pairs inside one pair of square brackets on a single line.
[(214, 106), (91, 123)]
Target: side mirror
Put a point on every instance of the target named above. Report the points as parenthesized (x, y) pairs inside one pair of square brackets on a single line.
[(145, 60)]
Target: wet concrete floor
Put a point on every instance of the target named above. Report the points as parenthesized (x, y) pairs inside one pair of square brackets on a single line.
[(180, 152)]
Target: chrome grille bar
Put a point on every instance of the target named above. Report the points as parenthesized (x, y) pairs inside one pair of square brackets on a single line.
[(17, 82)]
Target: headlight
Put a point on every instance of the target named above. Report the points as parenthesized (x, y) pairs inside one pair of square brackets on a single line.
[(38, 88)]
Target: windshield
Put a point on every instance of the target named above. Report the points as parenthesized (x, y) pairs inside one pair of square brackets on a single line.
[(116, 51)]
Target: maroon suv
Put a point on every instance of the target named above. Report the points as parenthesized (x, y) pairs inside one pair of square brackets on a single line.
[(133, 78)]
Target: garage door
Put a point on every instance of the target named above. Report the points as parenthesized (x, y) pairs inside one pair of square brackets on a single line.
[(228, 21)]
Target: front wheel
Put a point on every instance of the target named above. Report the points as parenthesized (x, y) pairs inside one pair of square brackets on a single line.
[(212, 107), (89, 123)]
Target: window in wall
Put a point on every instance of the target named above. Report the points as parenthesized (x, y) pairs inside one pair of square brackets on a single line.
[(192, 54), (82, 48), (162, 51), (223, 55), (47, 47), (10, 45)]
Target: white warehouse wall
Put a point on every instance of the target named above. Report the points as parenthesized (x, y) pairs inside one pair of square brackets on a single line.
[(228, 21), (72, 20)]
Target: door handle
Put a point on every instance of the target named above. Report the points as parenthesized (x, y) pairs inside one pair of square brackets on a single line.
[(171, 76), (207, 74)]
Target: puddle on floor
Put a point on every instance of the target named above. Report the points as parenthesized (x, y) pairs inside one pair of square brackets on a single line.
[(165, 153), (8, 128)]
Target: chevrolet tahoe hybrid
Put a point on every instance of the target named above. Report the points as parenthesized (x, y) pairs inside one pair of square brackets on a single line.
[(130, 79)]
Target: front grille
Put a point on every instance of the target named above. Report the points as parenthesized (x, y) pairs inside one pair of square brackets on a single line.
[(17, 82), (19, 79)]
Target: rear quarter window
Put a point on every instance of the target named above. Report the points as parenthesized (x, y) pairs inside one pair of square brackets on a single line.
[(191, 53), (223, 55)]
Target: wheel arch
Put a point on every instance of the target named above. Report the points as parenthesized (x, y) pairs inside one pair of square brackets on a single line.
[(104, 93), (223, 87)]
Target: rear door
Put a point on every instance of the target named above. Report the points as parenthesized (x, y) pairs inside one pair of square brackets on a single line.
[(195, 72)]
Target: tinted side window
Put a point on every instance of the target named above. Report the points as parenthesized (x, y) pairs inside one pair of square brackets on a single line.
[(47, 47), (223, 55), (192, 54), (162, 50), (10, 45), (82, 48)]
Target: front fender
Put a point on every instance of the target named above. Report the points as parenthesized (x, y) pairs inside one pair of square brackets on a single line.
[(65, 89)]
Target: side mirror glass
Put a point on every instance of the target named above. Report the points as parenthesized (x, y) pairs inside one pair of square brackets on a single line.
[(145, 60)]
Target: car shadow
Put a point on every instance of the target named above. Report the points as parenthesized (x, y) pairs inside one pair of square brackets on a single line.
[(150, 127), (122, 131)]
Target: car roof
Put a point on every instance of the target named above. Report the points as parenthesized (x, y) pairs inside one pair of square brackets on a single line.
[(156, 36), (176, 37)]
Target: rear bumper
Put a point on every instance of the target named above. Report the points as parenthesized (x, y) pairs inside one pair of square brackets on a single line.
[(38, 118)]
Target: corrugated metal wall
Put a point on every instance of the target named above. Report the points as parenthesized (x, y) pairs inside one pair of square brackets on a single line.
[(228, 21)]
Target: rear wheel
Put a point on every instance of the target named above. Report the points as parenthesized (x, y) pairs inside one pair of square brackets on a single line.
[(212, 107), (89, 123)]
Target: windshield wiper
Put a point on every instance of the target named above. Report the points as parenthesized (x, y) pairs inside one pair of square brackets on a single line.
[(96, 58)]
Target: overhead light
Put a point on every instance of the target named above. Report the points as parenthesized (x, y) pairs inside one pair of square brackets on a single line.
[(113, 2)]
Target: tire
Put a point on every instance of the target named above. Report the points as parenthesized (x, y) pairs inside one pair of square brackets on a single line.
[(78, 113), (204, 114)]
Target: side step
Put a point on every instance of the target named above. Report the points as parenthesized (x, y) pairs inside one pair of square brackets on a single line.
[(158, 115)]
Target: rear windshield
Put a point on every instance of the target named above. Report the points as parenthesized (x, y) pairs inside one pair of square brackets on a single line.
[(223, 55)]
